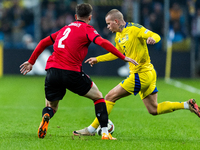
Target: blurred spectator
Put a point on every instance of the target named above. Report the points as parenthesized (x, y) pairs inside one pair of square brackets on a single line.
[(180, 42), (176, 13), (190, 13), (152, 18), (48, 20), (69, 18), (155, 27), (28, 42), (147, 2), (61, 21), (50, 10), (28, 21), (179, 35), (196, 32), (15, 22), (159, 12), (153, 24), (145, 19), (191, 7), (47, 25), (55, 15), (6, 27)]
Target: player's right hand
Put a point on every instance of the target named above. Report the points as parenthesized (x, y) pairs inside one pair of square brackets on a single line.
[(150, 40), (127, 59), (91, 61), (26, 67)]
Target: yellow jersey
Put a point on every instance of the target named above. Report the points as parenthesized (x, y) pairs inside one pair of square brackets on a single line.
[(132, 42)]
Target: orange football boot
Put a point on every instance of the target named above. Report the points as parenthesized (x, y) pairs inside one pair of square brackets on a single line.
[(194, 107), (107, 137), (43, 126)]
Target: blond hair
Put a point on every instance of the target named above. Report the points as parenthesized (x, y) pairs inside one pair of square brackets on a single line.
[(115, 14)]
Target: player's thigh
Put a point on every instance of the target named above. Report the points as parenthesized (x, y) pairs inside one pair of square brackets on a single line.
[(116, 93), (148, 83), (151, 103), (94, 93), (77, 82), (53, 85), (131, 84)]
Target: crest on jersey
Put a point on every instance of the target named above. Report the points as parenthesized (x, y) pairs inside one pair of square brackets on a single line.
[(124, 39), (96, 32), (126, 36), (146, 31)]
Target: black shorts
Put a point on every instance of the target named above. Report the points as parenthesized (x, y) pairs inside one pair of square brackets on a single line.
[(58, 80)]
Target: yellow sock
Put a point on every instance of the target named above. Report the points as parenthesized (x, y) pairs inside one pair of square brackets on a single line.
[(166, 107), (109, 106)]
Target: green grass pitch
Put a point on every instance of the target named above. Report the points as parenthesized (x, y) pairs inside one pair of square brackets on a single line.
[(22, 101)]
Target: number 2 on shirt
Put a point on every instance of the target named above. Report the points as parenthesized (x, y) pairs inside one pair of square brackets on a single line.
[(65, 35)]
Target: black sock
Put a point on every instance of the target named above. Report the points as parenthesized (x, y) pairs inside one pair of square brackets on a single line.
[(101, 112), (48, 110)]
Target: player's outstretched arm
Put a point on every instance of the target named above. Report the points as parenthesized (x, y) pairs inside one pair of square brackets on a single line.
[(44, 43), (26, 67), (109, 47), (93, 60)]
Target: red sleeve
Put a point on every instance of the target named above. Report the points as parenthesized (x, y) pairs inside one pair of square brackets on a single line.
[(109, 47), (41, 47), (91, 33)]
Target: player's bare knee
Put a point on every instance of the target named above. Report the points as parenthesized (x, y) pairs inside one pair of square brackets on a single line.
[(153, 112), (98, 95), (110, 97)]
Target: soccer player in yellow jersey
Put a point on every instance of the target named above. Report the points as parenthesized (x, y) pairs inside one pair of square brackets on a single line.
[(132, 39)]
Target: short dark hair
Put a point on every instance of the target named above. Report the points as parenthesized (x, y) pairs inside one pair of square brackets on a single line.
[(83, 10)]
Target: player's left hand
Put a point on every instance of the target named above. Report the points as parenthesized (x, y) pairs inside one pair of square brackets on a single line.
[(127, 59), (150, 40), (91, 61), (26, 67)]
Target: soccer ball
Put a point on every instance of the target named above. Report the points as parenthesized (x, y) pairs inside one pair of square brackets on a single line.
[(111, 128)]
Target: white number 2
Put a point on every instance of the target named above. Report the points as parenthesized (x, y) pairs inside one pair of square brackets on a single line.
[(66, 33)]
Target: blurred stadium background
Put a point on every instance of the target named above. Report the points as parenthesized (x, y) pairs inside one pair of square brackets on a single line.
[(23, 23)]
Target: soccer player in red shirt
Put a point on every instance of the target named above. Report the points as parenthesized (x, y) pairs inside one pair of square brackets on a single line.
[(64, 67)]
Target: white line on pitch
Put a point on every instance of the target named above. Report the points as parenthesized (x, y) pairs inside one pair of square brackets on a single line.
[(183, 86)]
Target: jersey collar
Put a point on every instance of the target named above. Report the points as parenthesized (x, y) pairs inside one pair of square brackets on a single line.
[(80, 21)]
